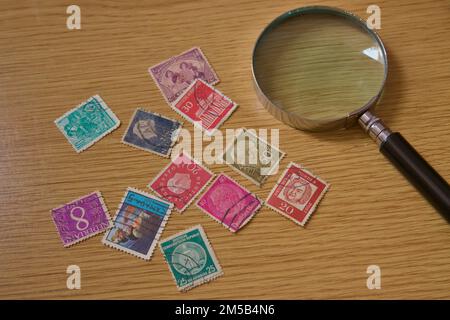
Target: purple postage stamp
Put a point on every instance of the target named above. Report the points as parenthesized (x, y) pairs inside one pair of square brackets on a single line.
[(81, 219), (174, 75), (229, 203)]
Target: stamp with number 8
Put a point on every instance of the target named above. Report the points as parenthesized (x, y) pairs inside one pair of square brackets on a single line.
[(81, 219)]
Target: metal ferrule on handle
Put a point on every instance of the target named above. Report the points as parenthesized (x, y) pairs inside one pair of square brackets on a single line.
[(374, 127)]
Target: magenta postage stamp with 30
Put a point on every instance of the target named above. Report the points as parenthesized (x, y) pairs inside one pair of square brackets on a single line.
[(81, 219), (175, 74), (181, 181), (229, 203)]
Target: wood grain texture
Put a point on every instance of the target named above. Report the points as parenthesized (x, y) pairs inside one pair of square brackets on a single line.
[(371, 215)]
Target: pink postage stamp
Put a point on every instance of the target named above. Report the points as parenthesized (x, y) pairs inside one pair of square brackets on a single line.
[(174, 75), (297, 194), (181, 181), (204, 106), (81, 218), (229, 203)]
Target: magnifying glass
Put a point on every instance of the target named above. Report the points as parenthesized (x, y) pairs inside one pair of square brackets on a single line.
[(321, 68)]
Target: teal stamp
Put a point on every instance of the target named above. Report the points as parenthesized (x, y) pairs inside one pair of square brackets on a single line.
[(87, 123), (190, 258)]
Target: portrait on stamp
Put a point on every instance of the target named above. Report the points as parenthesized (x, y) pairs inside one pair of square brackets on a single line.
[(152, 132), (229, 203), (181, 181)]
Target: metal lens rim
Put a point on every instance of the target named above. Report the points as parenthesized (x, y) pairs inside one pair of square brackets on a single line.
[(305, 123)]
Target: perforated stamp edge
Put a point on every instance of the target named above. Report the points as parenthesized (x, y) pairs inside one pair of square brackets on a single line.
[(247, 220), (197, 124), (104, 208), (175, 134), (150, 251), (211, 252), (196, 194), (313, 208), (107, 110)]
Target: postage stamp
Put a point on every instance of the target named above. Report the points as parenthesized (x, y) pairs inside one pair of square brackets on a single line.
[(174, 75), (181, 181), (229, 203), (190, 258), (138, 223), (81, 218), (204, 106), (297, 194), (152, 132), (253, 157), (87, 123)]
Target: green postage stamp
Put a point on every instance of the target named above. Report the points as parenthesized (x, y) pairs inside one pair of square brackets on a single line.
[(87, 123), (190, 258), (253, 157)]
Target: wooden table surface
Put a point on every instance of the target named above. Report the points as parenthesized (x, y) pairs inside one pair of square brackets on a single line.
[(371, 215)]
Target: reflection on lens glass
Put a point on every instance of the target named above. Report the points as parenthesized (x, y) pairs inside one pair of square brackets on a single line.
[(319, 66)]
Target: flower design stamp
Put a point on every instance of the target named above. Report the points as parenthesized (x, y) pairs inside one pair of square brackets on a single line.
[(81, 218), (152, 132), (297, 194), (138, 223), (87, 123), (229, 203), (190, 258), (204, 106), (174, 75), (253, 157), (181, 181)]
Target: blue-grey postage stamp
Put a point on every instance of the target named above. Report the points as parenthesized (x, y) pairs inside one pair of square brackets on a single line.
[(87, 123), (152, 132), (138, 223), (190, 258)]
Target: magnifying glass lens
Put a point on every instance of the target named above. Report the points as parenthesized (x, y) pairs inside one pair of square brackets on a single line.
[(319, 66)]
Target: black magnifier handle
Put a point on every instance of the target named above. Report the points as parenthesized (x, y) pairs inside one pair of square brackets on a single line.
[(413, 166)]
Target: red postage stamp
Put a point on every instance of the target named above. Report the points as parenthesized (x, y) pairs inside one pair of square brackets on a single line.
[(204, 106), (181, 181), (297, 194)]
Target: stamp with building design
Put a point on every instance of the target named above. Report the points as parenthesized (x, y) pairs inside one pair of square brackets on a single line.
[(87, 123), (174, 75), (204, 106), (297, 194), (81, 218), (152, 132), (181, 181), (253, 157), (138, 223), (228, 203), (191, 258)]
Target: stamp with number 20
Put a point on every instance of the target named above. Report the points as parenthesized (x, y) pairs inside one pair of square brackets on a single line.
[(297, 194)]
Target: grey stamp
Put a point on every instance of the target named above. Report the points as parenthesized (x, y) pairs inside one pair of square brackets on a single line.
[(253, 157)]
